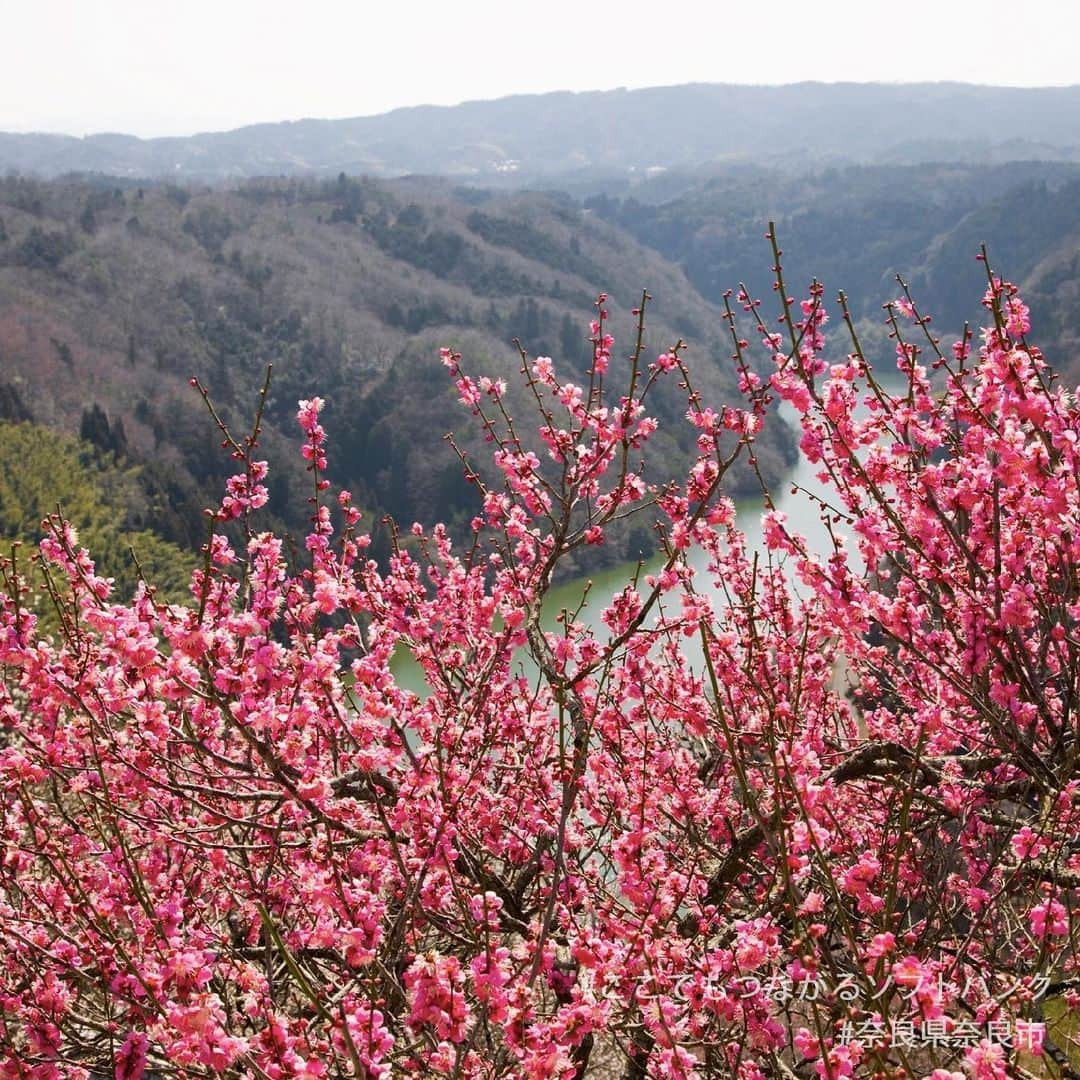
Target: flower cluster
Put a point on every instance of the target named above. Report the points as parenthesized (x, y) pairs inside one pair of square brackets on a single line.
[(232, 843)]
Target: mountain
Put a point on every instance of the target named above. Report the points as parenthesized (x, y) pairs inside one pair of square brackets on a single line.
[(113, 296), (113, 293), (610, 135)]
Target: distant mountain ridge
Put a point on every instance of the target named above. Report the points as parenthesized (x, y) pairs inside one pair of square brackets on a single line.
[(523, 138)]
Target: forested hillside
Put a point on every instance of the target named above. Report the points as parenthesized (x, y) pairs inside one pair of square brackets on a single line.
[(856, 228), (112, 298)]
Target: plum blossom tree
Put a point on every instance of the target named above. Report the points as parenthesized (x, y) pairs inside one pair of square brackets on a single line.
[(233, 845)]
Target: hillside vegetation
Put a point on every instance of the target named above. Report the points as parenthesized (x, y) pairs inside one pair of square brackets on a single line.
[(45, 473), (111, 298), (856, 228)]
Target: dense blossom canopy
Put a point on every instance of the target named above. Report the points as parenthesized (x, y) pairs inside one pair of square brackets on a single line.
[(842, 842)]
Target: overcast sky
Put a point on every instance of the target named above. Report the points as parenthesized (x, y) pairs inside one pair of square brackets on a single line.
[(153, 68)]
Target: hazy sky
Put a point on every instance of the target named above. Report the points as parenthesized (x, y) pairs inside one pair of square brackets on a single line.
[(153, 68)]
